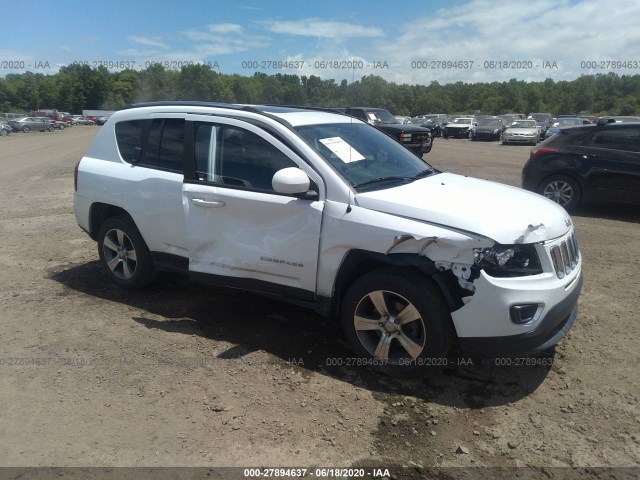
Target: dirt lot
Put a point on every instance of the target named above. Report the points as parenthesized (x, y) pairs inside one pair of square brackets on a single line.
[(184, 375)]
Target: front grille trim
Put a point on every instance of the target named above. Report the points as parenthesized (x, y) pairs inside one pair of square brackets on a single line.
[(565, 256)]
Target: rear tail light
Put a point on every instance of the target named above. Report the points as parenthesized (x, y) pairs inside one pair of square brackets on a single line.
[(536, 152), (75, 175)]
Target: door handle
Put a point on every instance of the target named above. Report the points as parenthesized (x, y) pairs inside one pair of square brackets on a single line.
[(201, 202)]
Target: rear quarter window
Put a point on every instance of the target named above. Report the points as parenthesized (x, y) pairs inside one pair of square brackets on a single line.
[(130, 138)]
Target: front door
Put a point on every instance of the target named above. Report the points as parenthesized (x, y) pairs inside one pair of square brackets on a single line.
[(240, 231)]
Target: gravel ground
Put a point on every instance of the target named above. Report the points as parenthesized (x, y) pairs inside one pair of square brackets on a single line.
[(184, 375)]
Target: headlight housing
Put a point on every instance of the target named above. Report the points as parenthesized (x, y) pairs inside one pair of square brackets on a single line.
[(508, 260)]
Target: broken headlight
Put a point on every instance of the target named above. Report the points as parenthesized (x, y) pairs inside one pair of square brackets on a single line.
[(508, 260)]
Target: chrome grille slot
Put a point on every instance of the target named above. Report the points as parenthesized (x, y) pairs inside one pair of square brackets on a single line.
[(565, 256)]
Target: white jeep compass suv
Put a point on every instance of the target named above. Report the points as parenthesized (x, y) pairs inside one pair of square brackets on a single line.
[(326, 211)]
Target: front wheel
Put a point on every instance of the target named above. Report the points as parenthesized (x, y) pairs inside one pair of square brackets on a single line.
[(562, 189), (25, 129), (396, 321), (124, 254), (50, 128), (61, 126)]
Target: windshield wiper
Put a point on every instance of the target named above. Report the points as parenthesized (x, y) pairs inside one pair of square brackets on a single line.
[(382, 180), (423, 173)]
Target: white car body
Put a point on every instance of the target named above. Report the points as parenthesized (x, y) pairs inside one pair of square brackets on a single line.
[(259, 240), (458, 127)]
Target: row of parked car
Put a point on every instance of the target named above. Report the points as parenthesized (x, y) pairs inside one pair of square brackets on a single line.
[(13, 122), (42, 124), (507, 128)]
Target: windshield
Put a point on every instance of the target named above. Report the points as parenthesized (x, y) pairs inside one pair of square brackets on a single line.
[(424, 121), (380, 116), (489, 122), (524, 124), (462, 121), (540, 117), (366, 157), (568, 122)]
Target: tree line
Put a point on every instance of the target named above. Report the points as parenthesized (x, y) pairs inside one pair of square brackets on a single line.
[(80, 87)]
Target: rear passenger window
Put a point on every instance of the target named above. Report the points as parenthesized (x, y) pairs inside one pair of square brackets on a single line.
[(164, 145), (619, 139)]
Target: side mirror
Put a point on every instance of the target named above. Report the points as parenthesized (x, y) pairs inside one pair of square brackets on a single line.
[(292, 181)]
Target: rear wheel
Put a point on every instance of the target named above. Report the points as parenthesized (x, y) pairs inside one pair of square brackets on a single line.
[(3, 132), (61, 126), (124, 254), (396, 321), (50, 128), (25, 129), (562, 189)]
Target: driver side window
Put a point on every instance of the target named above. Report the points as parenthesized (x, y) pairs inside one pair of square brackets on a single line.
[(236, 157)]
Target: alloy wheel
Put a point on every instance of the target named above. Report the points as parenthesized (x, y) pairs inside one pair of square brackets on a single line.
[(559, 191), (389, 327), (119, 254)]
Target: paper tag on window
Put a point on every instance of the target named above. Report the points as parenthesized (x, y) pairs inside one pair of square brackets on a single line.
[(342, 149)]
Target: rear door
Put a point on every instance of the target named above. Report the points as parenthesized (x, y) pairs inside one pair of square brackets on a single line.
[(613, 163), (152, 190), (240, 231)]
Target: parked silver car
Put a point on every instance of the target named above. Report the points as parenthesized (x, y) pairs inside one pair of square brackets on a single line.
[(25, 124), (522, 131), (81, 120)]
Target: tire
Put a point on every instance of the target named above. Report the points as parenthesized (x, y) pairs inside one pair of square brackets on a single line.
[(3, 132), (50, 128), (61, 126), (124, 253), (25, 129), (370, 317), (563, 190)]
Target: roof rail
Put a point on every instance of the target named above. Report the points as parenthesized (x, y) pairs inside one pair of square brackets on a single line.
[(183, 103), (198, 103)]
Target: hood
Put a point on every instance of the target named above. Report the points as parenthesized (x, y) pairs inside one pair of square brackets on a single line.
[(522, 130), (401, 127), (503, 213), (486, 128), (458, 125)]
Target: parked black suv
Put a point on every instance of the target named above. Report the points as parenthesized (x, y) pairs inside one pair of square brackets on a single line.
[(588, 164), (417, 139)]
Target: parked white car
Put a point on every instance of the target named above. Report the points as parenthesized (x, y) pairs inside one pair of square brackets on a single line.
[(329, 212), (459, 128)]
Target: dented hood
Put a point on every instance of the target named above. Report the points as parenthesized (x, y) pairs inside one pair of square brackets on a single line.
[(503, 213)]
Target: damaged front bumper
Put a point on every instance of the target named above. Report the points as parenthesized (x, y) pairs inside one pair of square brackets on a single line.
[(488, 324)]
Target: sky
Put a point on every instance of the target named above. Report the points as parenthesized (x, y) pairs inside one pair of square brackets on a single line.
[(407, 41)]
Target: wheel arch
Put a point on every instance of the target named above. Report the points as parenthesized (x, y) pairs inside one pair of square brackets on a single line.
[(360, 262), (99, 212)]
